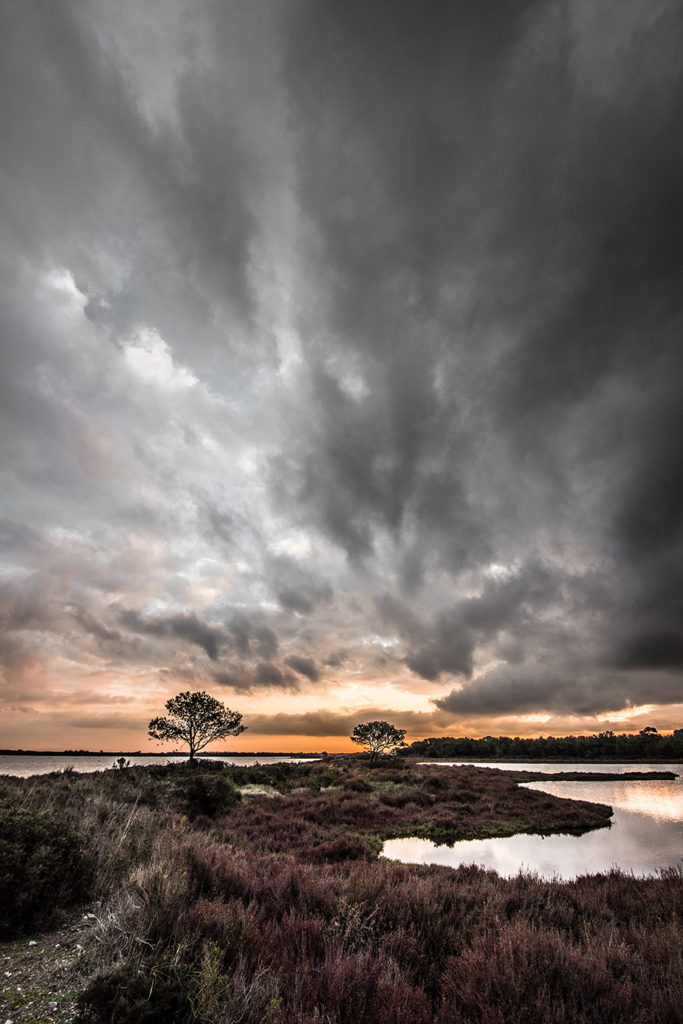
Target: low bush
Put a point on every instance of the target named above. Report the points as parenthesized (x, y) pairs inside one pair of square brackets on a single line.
[(402, 796), (208, 795), (337, 850), (42, 870), (138, 993), (357, 784)]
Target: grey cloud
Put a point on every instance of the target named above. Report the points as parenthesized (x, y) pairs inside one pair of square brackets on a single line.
[(268, 674), (336, 658), (304, 666), (266, 641), (296, 584), (541, 687), (447, 644), (653, 650), (240, 629), (25, 604), (245, 630), (240, 682), (265, 676), (186, 627), (568, 219), (97, 628)]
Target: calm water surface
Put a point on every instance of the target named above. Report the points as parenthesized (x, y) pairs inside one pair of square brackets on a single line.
[(24, 765), (646, 834)]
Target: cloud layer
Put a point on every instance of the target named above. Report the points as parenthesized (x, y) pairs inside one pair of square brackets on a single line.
[(341, 361)]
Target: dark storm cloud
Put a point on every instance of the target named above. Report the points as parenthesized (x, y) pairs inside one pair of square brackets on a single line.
[(502, 259), (346, 328), (447, 644), (654, 650), (409, 95), (577, 688), (304, 666), (360, 471), (502, 141)]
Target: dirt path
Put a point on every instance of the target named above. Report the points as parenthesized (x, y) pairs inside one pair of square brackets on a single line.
[(40, 977)]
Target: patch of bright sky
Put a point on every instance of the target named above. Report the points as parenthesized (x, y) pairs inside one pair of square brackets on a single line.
[(150, 358), (628, 713), (496, 571), (289, 352), (373, 640), (298, 544), (345, 367), (71, 301)]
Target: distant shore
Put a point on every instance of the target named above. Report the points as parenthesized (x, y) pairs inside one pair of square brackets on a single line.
[(412, 757), (155, 753)]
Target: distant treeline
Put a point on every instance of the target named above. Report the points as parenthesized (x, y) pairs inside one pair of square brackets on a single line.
[(648, 744)]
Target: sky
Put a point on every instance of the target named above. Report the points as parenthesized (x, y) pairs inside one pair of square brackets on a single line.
[(341, 367)]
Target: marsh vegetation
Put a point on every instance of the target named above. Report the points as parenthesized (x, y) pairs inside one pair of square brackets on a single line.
[(214, 906)]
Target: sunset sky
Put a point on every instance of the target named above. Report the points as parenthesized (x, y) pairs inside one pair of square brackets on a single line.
[(341, 367)]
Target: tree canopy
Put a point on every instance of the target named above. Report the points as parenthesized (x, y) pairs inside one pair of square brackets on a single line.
[(197, 719), (648, 744), (379, 737)]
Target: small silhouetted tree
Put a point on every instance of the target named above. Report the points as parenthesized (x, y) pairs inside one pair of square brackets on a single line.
[(378, 737), (197, 719)]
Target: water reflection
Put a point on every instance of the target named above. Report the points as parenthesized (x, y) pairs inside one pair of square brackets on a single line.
[(646, 835), (24, 766), (659, 798)]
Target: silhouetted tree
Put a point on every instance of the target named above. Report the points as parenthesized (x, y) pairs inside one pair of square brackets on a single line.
[(378, 737), (196, 719)]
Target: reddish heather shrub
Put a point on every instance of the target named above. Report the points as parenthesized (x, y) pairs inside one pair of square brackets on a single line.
[(273, 911), (357, 784), (342, 848)]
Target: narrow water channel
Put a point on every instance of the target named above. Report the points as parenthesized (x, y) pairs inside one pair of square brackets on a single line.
[(646, 834)]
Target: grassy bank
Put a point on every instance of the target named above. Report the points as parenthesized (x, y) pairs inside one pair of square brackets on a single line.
[(254, 894)]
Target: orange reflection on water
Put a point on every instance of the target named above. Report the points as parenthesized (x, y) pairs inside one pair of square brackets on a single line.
[(659, 797)]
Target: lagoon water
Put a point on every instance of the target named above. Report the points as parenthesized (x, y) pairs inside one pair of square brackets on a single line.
[(646, 834), (25, 765)]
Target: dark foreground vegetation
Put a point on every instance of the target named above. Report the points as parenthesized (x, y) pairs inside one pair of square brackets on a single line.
[(646, 745), (247, 895)]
